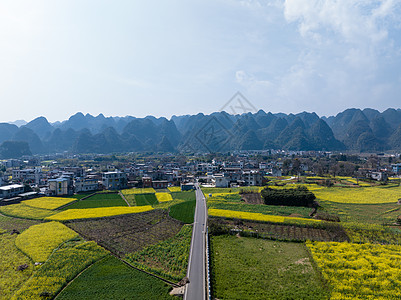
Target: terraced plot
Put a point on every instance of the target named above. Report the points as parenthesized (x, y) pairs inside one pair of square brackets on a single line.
[(128, 233), (111, 279)]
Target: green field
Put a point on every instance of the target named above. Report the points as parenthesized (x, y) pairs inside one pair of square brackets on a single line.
[(384, 213), (248, 268), (98, 200), (145, 199), (112, 279), (187, 196), (184, 211), (168, 259)]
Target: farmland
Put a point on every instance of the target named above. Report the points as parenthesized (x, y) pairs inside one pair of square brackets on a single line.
[(163, 197), (184, 211), (48, 202), (168, 259), (277, 231), (363, 195), (99, 212), (145, 199), (11, 279), (61, 267), (8, 224), (38, 241), (110, 279), (260, 217), (98, 200), (247, 268), (360, 271), (27, 212), (128, 233)]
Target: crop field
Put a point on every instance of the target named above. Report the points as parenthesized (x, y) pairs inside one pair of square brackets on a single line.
[(128, 233), (168, 259), (111, 279), (99, 212), (360, 271), (39, 241), (61, 267), (145, 199), (48, 202), (21, 210), (98, 200), (231, 214), (280, 232), (174, 189), (163, 197), (187, 196), (384, 213), (138, 191), (11, 279), (372, 233), (184, 211), (363, 195), (8, 224), (247, 268)]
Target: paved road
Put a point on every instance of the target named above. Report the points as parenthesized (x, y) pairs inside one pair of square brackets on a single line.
[(196, 288)]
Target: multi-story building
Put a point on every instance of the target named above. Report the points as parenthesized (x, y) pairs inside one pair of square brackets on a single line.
[(114, 180), (85, 185), (12, 190), (28, 175), (252, 178), (396, 169), (61, 186)]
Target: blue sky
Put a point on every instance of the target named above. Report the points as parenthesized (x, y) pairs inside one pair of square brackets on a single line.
[(183, 57)]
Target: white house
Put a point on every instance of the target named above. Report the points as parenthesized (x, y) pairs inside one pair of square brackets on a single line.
[(12, 190)]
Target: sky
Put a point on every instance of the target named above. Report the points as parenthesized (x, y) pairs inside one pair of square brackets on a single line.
[(167, 58)]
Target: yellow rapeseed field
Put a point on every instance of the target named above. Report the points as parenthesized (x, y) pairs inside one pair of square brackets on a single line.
[(99, 212), (255, 216), (39, 241), (174, 189), (359, 271), (363, 195), (21, 210), (48, 202), (61, 267), (163, 197), (138, 191)]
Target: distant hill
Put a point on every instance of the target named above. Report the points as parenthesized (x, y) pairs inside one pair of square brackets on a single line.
[(352, 129)]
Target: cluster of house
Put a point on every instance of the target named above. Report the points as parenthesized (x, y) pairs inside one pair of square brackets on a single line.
[(22, 182)]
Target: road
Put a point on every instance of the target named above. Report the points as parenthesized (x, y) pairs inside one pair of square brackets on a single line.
[(196, 288)]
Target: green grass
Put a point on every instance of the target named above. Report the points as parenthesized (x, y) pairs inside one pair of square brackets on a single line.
[(168, 259), (112, 279), (145, 199), (187, 196), (184, 211), (384, 213), (248, 268), (98, 200)]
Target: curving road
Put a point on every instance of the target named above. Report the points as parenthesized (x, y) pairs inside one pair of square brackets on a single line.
[(196, 288)]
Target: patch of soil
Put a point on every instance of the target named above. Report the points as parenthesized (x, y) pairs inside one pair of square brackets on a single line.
[(128, 233), (252, 198)]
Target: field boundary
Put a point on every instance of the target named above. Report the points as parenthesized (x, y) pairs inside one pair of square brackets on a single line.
[(79, 274), (151, 274), (122, 196)]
